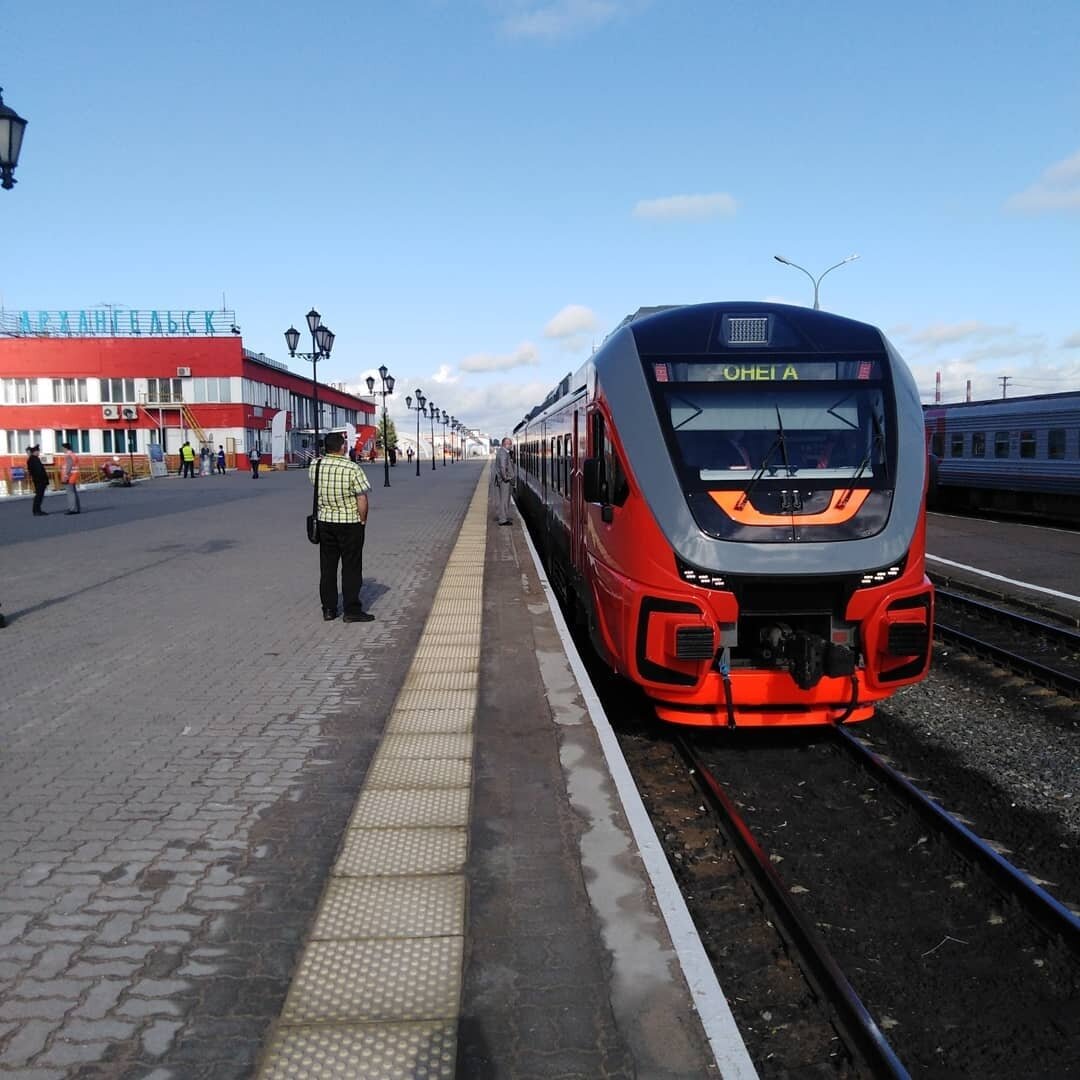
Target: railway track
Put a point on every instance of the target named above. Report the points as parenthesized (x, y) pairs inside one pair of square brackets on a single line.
[(1045, 652), (860, 870)]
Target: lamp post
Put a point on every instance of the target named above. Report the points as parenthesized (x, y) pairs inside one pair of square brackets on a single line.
[(322, 341), (420, 402), (387, 388), (816, 281), (445, 421), (12, 127), (453, 443), (431, 416)]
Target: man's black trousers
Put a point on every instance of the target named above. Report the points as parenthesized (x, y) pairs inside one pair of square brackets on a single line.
[(344, 544)]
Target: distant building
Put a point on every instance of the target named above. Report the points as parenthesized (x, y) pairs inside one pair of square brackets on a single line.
[(125, 381)]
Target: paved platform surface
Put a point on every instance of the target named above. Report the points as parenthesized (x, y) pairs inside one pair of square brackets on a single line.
[(1036, 564), (183, 744)]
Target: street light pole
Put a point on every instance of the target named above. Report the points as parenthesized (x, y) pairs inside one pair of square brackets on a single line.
[(431, 415), (816, 281), (322, 341), (12, 127), (445, 419), (387, 388), (420, 401)]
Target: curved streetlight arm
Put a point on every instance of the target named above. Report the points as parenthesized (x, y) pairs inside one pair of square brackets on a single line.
[(816, 281)]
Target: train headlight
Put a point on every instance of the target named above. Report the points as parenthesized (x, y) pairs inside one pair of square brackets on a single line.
[(880, 577), (707, 579)]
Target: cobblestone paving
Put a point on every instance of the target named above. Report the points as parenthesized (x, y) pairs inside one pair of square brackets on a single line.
[(181, 742)]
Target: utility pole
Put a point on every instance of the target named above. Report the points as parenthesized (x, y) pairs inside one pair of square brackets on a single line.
[(1004, 380)]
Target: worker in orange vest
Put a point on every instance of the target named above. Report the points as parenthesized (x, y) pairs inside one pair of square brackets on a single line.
[(69, 477)]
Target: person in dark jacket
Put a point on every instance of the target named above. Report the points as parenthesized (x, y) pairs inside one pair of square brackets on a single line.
[(39, 477)]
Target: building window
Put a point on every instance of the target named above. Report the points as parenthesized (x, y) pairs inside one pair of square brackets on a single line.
[(1001, 444), (20, 391), (69, 391), (1027, 444), (978, 444), (164, 391), (79, 439), (1055, 444), (18, 442), (956, 447), (118, 391)]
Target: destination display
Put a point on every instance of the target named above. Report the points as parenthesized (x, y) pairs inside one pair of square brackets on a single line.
[(759, 371), (109, 321)]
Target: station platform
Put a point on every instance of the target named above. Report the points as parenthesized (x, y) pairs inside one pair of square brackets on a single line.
[(239, 841)]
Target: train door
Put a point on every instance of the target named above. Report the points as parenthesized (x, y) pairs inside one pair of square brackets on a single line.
[(577, 503)]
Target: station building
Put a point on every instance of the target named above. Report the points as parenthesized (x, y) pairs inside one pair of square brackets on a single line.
[(137, 384)]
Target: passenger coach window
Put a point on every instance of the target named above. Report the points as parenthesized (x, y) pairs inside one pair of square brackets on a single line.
[(957, 447), (1055, 444), (1027, 444), (978, 444), (1001, 444), (937, 444)]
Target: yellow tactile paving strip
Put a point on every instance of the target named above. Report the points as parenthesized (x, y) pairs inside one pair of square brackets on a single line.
[(378, 988)]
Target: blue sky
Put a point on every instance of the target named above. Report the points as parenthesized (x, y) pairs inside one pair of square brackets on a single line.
[(474, 191)]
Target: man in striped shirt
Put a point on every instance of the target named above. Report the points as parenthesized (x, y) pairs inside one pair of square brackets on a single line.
[(342, 511)]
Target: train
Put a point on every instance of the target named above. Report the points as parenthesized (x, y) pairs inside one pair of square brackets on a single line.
[(1016, 455), (730, 498)]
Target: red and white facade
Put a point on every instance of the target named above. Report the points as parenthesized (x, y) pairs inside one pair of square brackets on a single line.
[(121, 395)]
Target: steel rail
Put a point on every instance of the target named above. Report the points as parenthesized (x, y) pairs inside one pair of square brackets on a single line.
[(1024, 665), (1049, 914), (853, 1019), (1062, 635)]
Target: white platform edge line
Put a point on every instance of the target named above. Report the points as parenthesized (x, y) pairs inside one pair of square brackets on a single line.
[(726, 1041), (1007, 580)]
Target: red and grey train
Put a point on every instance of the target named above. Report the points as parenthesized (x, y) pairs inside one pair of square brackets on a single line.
[(732, 497)]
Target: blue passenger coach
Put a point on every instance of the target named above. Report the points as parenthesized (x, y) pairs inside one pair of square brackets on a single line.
[(1019, 455)]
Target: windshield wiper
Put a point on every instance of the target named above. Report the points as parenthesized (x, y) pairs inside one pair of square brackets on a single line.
[(780, 442), (877, 445)]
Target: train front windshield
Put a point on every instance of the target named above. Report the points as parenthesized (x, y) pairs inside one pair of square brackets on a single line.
[(823, 422)]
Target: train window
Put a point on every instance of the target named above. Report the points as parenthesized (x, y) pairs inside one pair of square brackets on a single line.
[(556, 462), (1001, 444), (937, 444), (956, 449), (567, 465), (618, 488), (1027, 444), (978, 444), (1055, 444)]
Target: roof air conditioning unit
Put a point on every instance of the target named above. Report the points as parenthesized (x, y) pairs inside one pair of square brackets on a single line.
[(110, 412), (183, 373), (130, 412)]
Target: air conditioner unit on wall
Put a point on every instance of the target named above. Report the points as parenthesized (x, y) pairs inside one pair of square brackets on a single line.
[(130, 412), (110, 412), (183, 373)]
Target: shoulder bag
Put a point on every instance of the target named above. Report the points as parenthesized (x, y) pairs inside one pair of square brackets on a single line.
[(313, 518)]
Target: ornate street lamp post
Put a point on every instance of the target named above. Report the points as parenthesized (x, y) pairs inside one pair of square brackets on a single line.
[(12, 127), (322, 341), (387, 388), (420, 402), (431, 415), (445, 421), (817, 280)]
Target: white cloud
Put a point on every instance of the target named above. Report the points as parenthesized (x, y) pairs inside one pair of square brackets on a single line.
[(1072, 341), (937, 334), (573, 319), (686, 207), (982, 354), (560, 18), (1058, 189), (523, 356)]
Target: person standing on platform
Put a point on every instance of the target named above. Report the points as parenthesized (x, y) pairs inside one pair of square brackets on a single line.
[(69, 477), (38, 477), (204, 461), (409, 454), (342, 510), (504, 478), (254, 457), (221, 460), (187, 460)]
